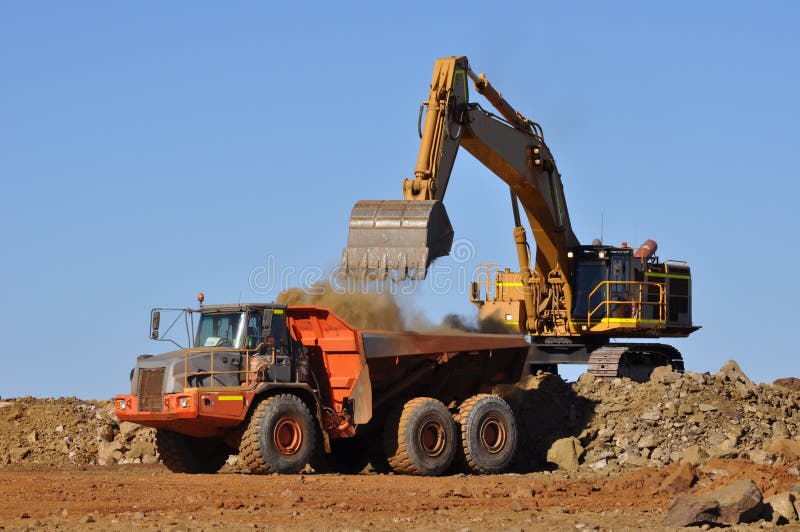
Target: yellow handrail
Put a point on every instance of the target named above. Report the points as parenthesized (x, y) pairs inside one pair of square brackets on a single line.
[(487, 281), (636, 305)]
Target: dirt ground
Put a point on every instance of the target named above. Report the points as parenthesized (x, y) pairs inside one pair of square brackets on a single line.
[(150, 497)]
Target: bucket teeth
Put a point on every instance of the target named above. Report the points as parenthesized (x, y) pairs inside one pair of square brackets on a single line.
[(396, 236)]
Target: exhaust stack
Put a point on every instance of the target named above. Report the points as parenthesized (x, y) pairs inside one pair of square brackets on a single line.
[(404, 236)]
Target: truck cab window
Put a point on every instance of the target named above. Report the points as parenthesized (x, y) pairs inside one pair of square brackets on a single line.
[(254, 330), (221, 330)]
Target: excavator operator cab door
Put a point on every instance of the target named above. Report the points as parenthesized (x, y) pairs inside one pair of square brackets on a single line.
[(589, 273), (619, 289), (602, 276)]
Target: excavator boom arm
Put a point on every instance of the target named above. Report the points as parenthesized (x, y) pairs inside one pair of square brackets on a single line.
[(391, 235), (524, 162)]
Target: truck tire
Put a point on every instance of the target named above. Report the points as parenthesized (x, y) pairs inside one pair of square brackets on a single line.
[(280, 436), (488, 434), (185, 454), (421, 438)]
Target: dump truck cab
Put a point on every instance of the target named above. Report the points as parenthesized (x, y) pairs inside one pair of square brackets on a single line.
[(234, 353), (230, 345), (260, 335)]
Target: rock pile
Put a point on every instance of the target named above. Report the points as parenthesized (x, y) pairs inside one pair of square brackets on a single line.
[(688, 417), (70, 430)]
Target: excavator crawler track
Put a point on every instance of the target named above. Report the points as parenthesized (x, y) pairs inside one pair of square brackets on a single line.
[(635, 361)]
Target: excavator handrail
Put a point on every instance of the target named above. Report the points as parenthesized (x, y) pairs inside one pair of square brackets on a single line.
[(636, 305)]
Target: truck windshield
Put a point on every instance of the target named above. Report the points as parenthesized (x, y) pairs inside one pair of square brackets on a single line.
[(221, 330)]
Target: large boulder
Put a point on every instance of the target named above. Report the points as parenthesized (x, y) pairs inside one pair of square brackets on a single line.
[(109, 452), (128, 430), (13, 411), (688, 510), (566, 453), (140, 449), (739, 502), (664, 375), (791, 383), (18, 454), (680, 479), (733, 373), (694, 455), (781, 508), (788, 449)]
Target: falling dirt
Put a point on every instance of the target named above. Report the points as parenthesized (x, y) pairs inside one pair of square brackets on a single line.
[(363, 309), (376, 307)]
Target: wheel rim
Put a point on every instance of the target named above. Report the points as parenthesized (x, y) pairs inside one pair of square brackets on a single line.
[(287, 435), (492, 434), (431, 438)]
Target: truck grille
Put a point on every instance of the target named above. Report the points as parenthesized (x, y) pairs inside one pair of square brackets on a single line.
[(151, 383)]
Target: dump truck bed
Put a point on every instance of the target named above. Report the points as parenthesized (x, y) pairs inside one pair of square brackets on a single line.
[(449, 366)]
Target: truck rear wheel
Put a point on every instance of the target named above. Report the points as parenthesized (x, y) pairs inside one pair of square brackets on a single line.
[(279, 437), (185, 454), (488, 434), (421, 439)]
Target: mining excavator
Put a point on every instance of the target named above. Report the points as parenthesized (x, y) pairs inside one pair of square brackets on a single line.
[(574, 298)]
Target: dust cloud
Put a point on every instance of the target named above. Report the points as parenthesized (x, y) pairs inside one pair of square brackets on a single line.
[(365, 310), (380, 309)]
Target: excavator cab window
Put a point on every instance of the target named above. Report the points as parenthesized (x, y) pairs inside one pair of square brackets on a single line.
[(619, 272)]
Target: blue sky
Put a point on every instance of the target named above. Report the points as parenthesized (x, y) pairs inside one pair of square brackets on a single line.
[(153, 150)]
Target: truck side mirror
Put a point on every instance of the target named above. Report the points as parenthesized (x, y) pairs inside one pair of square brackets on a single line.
[(155, 321)]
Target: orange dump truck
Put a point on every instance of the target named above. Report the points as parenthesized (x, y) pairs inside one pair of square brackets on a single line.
[(288, 386)]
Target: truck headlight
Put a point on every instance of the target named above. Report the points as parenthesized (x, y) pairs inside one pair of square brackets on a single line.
[(185, 402), (121, 404)]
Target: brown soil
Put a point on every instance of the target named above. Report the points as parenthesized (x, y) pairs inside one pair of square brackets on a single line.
[(150, 497)]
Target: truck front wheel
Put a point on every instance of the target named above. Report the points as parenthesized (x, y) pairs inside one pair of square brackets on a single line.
[(421, 438), (488, 434), (185, 454), (279, 437)]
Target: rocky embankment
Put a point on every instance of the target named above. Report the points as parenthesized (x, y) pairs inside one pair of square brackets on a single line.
[(70, 431), (691, 417), (609, 424), (681, 421)]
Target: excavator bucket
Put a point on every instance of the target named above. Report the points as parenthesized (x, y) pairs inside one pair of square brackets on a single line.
[(396, 235)]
